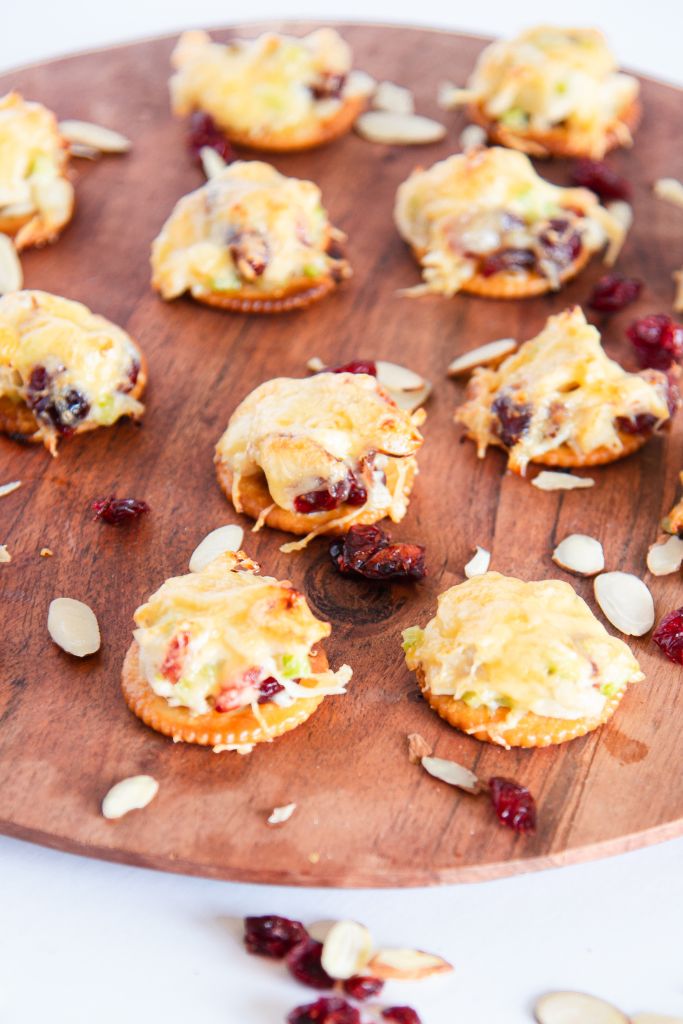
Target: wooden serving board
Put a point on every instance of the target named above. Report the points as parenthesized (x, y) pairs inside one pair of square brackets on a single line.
[(365, 816)]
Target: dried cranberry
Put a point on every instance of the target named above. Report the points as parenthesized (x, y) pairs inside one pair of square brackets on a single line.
[(507, 259), (250, 253), (614, 291), (559, 242), (401, 1015), (39, 379), (133, 374), (272, 935), (658, 341), (117, 511), (642, 423), (367, 551), (304, 962), (205, 132), (64, 411), (513, 419), (363, 987), (356, 366), (268, 688), (600, 178), (329, 86), (357, 495), (669, 636), (513, 804), (326, 1010), (172, 665), (324, 500)]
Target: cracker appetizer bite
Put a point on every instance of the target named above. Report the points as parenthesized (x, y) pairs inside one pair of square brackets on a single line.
[(275, 93), (64, 370), (552, 92), (36, 197), (559, 400), (519, 664), (227, 658), (250, 240), (314, 456), (484, 222)]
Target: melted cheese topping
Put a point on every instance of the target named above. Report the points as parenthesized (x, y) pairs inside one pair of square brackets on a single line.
[(247, 216), (446, 212), (33, 159), (264, 85), (567, 391), (531, 647), (550, 76), (79, 350), (304, 434), (218, 633)]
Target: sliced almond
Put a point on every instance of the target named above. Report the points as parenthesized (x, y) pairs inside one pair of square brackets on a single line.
[(625, 601), (418, 748), (73, 626), (94, 136), (131, 794), (576, 1008), (478, 563), (551, 480), (406, 964), (346, 949), (485, 355), (472, 137), (84, 152), (453, 773), (213, 163), (665, 557), (225, 538), (669, 189), (580, 554), (281, 814), (46, 552), (654, 1018), (319, 930), (315, 364), (8, 488), (399, 129), (622, 213), (5, 557), (409, 401), (398, 378), (11, 274), (450, 96), (394, 98)]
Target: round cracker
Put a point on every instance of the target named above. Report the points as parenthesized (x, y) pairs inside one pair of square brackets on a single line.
[(215, 728), (521, 285), (256, 498), (299, 295), (308, 136), (531, 731)]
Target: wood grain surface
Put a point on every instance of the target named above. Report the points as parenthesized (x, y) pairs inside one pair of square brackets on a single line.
[(365, 816)]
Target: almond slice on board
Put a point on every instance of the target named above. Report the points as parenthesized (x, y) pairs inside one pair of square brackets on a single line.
[(347, 948), (394, 98), (472, 137), (212, 162), (551, 480), (580, 554), (666, 556), (225, 538), (669, 189), (625, 601), (131, 794), (281, 814), (478, 563), (576, 1008), (73, 626), (11, 274), (94, 136), (484, 355), (9, 488), (417, 748), (451, 772), (394, 377), (391, 129), (406, 964)]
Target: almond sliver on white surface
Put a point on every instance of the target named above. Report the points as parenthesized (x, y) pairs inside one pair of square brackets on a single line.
[(478, 563), (666, 557), (11, 274), (451, 772), (550, 480), (94, 136), (225, 538), (580, 554), (483, 355), (391, 129), (407, 964), (346, 949), (73, 626), (131, 794), (626, 602), (576, 1008)]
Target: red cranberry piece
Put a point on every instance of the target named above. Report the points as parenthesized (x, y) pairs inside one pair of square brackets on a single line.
[(658, 341), (367, 551), (268, 688), (507, 259), (133, 374), (559, 243), (117, 511), (357, 495), (324, 500), (513, 419), (272, 936), (304, 962), (600, 178), (205, 132), (614, 291), (172, 665), (326, 1010), (669, 636), (64, 411), (356, 366), (513, 804), (401, 1015), (329, 86), (363, 987)]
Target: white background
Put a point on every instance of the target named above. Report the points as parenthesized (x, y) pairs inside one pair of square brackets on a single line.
[(83, 942)]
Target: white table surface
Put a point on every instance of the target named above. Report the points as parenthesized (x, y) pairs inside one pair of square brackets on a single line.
[(85, 942)]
